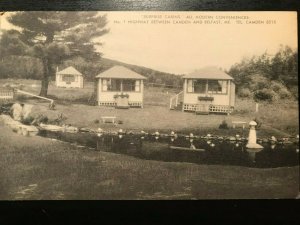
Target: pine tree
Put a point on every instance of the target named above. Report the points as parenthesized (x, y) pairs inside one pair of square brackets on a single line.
[(56, 36)]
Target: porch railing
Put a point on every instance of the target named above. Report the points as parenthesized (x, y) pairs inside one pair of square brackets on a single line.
[(175, 100)]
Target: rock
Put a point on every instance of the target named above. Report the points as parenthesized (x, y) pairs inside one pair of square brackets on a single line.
[(17, 111), (70, 129), (27, 108), (51, 127), (40, 110)]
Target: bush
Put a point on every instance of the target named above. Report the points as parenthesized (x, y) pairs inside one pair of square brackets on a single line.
[(259, 123), (223, 125), (294, 91), (28, 120), (258, 82), (244, 93), (280, 89), (59, 120), (264, 95), (284, 93)]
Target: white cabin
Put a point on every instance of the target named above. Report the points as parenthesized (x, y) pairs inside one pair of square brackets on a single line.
[(120, 87), (207, 90), (69, 78)]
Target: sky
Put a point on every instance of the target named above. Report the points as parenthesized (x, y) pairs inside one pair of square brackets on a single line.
[(180, 42)]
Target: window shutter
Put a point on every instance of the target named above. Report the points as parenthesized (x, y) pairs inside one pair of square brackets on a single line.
[(224, 87), (190, 86), (104, 85), (137, 86)]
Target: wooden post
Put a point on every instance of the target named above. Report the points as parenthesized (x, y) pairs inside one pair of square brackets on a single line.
[(256, 107)]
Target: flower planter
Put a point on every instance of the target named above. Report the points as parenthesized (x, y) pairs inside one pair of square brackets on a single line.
[(205, 98)]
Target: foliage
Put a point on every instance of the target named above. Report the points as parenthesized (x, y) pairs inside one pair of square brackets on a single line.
[(280, 89), (53, 37), (25, 67), (244, 93), (28, 120), (223, 125), (264, 95), (60, 120), (266, 74), (258, 122)]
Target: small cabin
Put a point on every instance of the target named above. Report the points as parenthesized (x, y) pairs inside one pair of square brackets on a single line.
[(120, 87), (69, 78), (208, 90)]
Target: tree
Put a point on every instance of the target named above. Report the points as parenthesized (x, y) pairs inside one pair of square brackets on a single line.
[(55, 36), (258, 72)]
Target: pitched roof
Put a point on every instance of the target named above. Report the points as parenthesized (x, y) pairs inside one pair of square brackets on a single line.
[(120, 72), (209, 73), (70, 70)]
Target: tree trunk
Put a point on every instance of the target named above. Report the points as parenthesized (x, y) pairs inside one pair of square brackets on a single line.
[(45, 80), (44, 87)]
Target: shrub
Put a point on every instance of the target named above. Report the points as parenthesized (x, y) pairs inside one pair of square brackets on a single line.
[(284, 93), (259, 82), (264, 95), (259, 123), (244, 93), (96, 121), (59, 120), (294, 91), (28, 120), (223, 125), (280, 89)]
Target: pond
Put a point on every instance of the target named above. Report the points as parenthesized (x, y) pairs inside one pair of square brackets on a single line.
[(185, 149)]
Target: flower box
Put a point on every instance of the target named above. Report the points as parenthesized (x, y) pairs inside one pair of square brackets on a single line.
[(205, 98)]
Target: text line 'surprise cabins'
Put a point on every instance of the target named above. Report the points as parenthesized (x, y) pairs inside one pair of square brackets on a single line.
[(120, 87), (207, 90), (69, 78)]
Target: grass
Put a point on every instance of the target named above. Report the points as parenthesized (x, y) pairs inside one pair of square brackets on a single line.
[(278, 118), (38, 168)]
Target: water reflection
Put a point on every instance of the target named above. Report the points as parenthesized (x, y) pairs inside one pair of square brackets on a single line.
[(193, 149)]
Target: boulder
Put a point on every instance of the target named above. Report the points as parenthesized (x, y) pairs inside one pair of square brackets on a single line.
[(27, 108), (41, 111), (17, 111)]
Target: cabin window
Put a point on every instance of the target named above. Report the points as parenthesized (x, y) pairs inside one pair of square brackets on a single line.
[(207, 86), (68, 78), (114, 85), (121, 85), (217, 87), (196, 86), (128, 85), (199, 86)]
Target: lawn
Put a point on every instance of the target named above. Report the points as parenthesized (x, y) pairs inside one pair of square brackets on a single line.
[(39, 168), (279, 119)]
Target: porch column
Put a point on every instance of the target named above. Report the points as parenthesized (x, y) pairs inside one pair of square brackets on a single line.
[(184, 93)]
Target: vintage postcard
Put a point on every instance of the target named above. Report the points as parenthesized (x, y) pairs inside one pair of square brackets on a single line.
[(148, 105)]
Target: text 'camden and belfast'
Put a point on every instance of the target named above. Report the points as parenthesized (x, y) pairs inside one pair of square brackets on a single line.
[(195, 19)]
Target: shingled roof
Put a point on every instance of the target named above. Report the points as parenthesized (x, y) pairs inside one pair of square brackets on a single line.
[(70, 71), (120, 72), (209, 73)]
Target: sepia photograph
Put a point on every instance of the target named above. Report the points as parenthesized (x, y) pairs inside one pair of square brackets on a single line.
[(149, 105)]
